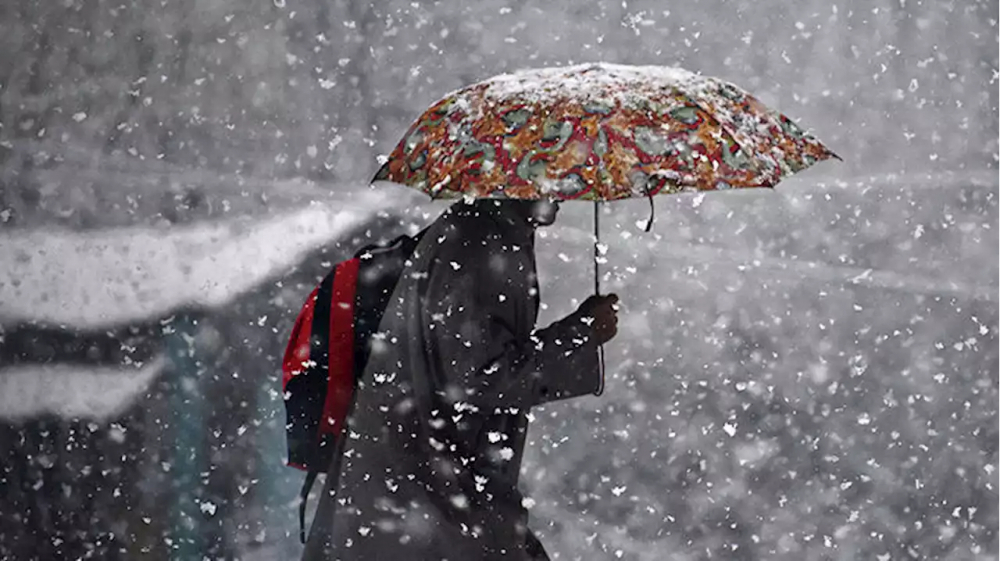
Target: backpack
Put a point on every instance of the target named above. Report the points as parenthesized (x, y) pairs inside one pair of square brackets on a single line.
[(327, 352)]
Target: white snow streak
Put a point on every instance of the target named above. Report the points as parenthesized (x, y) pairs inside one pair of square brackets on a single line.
[(72, 391), (115, 276)]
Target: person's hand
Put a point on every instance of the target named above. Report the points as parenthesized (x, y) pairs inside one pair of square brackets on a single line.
[(601, 313)]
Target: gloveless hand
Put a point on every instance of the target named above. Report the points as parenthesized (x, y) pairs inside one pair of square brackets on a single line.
[(601, 312)]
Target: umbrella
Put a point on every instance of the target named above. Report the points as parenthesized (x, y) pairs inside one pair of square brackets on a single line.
[(598, 132)]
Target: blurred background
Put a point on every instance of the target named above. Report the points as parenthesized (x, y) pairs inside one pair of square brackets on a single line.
[(801, 374)]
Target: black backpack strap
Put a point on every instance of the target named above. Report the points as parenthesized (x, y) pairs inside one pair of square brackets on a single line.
[(420, 234), (395, 241), (303, 497), (319, 355), (332, 474)]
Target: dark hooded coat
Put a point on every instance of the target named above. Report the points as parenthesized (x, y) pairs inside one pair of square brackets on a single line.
[(430, 467)]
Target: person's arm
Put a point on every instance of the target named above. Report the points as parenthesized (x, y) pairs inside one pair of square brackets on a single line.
[(482, 362)]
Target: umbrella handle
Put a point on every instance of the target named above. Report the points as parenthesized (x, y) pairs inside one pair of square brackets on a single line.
[(597, 284)]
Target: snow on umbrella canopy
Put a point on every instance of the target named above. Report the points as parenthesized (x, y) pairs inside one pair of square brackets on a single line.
[(598, 132)]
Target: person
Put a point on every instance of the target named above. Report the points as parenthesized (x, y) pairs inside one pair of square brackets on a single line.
[(430, 467)]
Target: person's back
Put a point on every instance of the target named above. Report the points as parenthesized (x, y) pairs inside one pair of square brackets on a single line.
[(431, 465)]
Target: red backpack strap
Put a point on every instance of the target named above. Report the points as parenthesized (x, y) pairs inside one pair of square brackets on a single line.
[(340, 388)]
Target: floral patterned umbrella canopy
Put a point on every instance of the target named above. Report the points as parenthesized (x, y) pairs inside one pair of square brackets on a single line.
[(598, 132)]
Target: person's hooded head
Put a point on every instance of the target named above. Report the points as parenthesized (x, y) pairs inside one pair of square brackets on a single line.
[(535, 213)]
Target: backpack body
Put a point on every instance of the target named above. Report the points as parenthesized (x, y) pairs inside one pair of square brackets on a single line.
[(329, 348)]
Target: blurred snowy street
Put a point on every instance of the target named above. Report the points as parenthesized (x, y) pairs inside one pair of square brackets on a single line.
[(803, 373)]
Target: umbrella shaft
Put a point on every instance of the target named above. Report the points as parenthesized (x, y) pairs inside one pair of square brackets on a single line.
[(597, 243), (597, 283)]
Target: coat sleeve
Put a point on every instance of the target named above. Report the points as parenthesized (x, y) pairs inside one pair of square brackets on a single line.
[(482, 361)]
